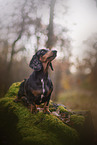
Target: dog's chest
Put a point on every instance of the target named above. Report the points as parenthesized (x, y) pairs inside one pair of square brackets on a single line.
[(43, 89), (44, 86), (40, 87)]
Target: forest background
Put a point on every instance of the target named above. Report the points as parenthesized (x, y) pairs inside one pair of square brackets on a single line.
[(68, 26)]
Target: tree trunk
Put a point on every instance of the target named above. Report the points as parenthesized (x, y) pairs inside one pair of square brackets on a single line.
[(18, 38), (50, 41)]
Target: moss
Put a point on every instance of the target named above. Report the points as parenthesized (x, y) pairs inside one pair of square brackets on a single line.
[(63, 110), (19, 127), (13, 90), (51, 106), (84, 127), (77, 121)]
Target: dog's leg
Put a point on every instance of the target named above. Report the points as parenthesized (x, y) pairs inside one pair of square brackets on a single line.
[(46, 104), (46, 108), (33, 108), (21, 92)]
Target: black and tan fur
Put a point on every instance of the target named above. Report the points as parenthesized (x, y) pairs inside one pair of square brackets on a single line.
[(38, 87)]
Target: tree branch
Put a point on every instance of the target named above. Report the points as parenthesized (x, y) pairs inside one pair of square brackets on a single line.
[(21, 49), (19, 36)]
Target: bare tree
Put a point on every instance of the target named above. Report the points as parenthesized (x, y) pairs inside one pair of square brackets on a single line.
[(51, 38), (13, 52), (25, 22)]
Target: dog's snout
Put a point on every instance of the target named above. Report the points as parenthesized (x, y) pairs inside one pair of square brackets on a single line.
[(55, 52)]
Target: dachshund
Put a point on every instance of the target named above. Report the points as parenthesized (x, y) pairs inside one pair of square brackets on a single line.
[(38, 87)]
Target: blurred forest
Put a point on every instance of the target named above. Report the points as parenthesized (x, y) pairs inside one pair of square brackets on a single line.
[(23, 32), (28, 25)]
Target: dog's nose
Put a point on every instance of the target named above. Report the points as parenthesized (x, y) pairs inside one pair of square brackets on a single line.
[(55, 52)]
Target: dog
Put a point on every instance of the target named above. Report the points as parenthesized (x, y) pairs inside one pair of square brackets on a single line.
[(38, 87)]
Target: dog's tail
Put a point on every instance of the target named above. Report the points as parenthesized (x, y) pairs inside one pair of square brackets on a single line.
[(21, 92)]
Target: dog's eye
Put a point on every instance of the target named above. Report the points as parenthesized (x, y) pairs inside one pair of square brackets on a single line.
[(43, 52)]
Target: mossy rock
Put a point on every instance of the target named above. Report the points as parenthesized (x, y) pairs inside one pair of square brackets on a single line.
[(77, 121), (19, 127), (82, 122)]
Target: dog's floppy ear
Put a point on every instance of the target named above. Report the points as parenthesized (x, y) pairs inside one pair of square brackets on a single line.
[(51, 66), (35, 63)]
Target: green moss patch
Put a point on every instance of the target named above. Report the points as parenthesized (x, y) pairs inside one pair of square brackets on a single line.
[(63, 110), (13, 90), (84, 125), (19, 127), (77, 122)]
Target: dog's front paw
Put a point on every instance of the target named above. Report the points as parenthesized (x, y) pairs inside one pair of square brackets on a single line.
[(34, 109), (46, 110)]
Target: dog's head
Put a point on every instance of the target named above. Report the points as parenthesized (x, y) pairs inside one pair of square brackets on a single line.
[(42, 59)]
